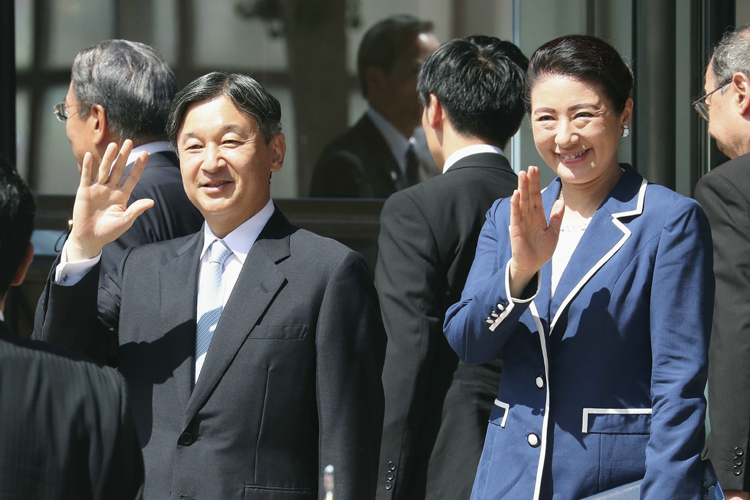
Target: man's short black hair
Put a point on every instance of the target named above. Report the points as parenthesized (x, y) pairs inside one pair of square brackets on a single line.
[(385, 41), (17, 209), (479, 82), (245, 93)]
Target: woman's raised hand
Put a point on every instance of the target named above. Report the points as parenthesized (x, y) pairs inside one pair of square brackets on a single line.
[(532, 240), (101, 212)]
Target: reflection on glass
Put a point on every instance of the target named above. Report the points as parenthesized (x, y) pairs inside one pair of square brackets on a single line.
[(24, 30), (75, 25), (284, 182), (165, 37), (225, 40), (22, 133), (57, 170)]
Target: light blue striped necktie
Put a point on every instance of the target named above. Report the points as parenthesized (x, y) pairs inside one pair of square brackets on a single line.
[(210, 296)]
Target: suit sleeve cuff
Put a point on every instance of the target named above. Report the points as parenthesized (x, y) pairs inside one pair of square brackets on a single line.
[(529, 294), (70, 273)]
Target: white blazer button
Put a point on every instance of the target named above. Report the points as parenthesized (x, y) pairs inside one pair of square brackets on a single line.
[(533, 440), (540, 382)]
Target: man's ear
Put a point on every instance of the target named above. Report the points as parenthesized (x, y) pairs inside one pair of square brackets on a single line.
[(435, 114), (742, 86), (25, 263), (97, 123), (277, 150)]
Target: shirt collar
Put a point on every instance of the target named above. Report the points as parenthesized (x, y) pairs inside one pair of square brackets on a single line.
[(470, 150), (397, 143), (241, 240), (150, 148)]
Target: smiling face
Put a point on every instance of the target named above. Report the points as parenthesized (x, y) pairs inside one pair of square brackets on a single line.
[(576, 129), (225, 163)]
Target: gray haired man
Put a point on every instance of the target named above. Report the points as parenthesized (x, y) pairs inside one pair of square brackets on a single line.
[(123, 90), (723, 193)]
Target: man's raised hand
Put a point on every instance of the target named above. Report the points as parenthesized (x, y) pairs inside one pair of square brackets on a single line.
[(101, 212)]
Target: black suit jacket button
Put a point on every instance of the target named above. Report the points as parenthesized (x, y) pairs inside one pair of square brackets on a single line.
[(739, 452), (738, 461), (186, 438), (737, 471), (533, 440), (391, 466), (389, 476), (388, 485)]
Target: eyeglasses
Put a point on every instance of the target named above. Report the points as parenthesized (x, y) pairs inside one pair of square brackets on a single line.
[(61, 111), (700, 105)]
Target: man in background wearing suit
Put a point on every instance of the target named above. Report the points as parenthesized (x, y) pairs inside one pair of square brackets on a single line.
[(378, 155), (724, 194), (122, 90), (253, 349), (65, 424), (436, 407)]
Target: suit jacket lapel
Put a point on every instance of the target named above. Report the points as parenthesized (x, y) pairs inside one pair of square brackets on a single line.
[(178, 281), (603, 238), (257, 285)]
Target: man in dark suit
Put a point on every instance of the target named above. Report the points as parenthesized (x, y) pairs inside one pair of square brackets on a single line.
[(122, 90), (436, 407), (378, 155), (65, 425), (253, 348), (724, 194)]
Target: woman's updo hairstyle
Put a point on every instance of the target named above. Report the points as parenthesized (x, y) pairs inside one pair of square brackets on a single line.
[(585, 58)]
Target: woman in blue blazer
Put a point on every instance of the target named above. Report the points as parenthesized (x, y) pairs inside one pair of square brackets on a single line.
[(597, 294)]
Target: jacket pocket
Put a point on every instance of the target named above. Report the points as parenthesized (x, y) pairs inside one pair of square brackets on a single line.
[(616, 421), (288, 332), (499, 413)]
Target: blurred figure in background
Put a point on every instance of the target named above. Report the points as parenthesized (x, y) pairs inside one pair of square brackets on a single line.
[(379, 155)]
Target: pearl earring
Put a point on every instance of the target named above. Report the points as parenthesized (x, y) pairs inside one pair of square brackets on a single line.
[(625, 131)]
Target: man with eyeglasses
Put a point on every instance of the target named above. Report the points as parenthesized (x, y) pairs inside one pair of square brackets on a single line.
[(725, 195), (123, 90)]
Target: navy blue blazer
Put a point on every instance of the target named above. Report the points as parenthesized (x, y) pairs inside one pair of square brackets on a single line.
[(602, 382)]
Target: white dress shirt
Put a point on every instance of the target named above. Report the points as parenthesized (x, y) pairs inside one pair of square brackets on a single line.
[(470, 150), (239, 241), (397, 143)]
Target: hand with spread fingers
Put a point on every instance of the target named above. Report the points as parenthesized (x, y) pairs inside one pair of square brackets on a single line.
[(532, 239), (101, 212)]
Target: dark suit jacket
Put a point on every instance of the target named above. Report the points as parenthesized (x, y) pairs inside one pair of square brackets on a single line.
[(437, 408), (358, 164), (291, 382), (725, 195), (65, 426), (172, 215)]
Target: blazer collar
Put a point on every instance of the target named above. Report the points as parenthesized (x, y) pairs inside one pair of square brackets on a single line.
[(257, 285), (603, 238)]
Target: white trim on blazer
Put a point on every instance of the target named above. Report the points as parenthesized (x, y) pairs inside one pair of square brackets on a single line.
[(611, 411)]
